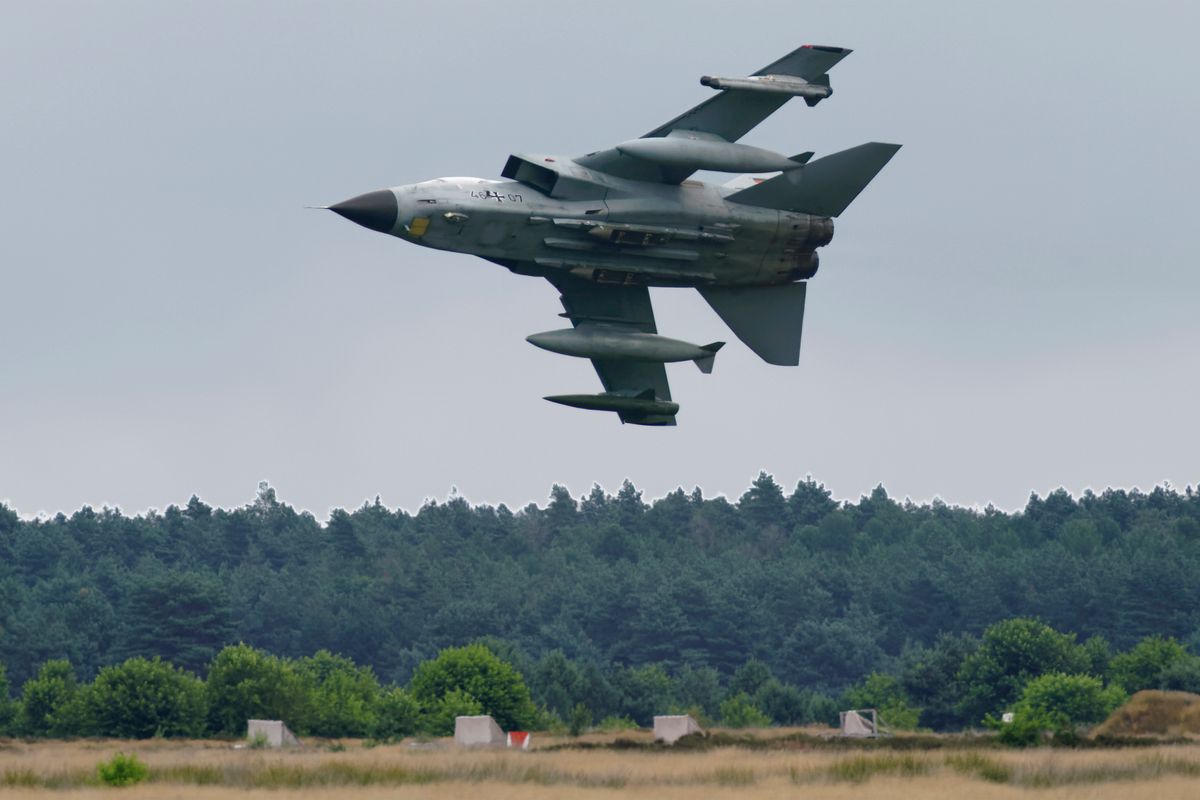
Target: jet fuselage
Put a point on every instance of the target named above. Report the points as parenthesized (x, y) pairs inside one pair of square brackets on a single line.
[(646, 233)]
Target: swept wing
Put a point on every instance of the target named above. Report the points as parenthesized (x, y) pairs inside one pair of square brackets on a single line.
[(726, 116)]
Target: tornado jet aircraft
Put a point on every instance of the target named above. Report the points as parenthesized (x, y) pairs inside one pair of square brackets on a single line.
[(606, 226)]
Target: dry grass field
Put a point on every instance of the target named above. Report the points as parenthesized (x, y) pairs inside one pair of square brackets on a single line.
[(204, 770)]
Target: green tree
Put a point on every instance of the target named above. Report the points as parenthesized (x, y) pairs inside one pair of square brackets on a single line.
[(245, 683), (142, 698), (783, 703), (739, 711), (1181, 676), (750, 677), (439, 716), (183, 617), (1143, 666), (643, 692), (1012, 653), (556, 682), (763, 503), (1058, 704), (579, 720), (698, 687), (396, 714), (8, 708), (343, 696), (475, 673), (51, 704), (930, 677)]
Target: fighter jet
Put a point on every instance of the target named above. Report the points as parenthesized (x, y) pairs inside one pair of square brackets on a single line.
[(605, 226)]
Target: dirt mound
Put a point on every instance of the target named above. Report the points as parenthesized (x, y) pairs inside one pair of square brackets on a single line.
[(1154, 713)]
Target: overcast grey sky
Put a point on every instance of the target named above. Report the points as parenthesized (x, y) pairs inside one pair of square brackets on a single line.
[(1010, 307)]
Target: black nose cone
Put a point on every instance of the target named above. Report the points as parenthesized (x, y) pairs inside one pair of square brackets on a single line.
[(374, 210)]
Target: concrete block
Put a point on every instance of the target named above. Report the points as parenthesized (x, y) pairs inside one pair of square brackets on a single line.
[(672, 728), (861, 723), (481, 731), (275, 732)]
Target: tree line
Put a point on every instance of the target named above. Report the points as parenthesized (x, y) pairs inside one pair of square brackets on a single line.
[(684, 591), (1045, 677)]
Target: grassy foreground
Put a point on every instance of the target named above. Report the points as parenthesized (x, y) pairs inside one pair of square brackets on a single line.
[(207, 769)]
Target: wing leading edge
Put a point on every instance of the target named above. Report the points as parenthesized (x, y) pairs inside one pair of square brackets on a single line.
[(729, 114)]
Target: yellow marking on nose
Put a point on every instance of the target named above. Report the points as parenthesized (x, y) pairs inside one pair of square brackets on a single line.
[(418, 226)]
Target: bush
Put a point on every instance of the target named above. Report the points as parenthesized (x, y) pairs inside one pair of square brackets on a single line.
[(343, 696), (122, 770), (1181, 676), (616, 724), (52, 703), (396, 714), (739, 711), (1144, 665), (473, 677), (439, 718), (579, 720), (785, 704), (245, 683), (141, 698), (1012, 653), (1053, 706), (8, 709), (823, 709)]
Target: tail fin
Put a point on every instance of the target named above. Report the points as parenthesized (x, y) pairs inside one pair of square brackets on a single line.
[(825, 186), (705, 363), (768, 319)]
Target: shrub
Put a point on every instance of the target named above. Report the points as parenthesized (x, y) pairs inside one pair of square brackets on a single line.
[(8, 709), (1055, 705), (1143, 666), (739, 711), (245, 683), (473, 677), (122, 770), (785, 704), (344, 696), (1012, 653), (396, 714), (141, 698), (439, 718), (579, 720), (616, 724), (51, 703), (823, 709)]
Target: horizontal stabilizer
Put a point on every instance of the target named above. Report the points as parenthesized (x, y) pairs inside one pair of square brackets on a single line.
[(768, 319), (705, 363), (825, 186)]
